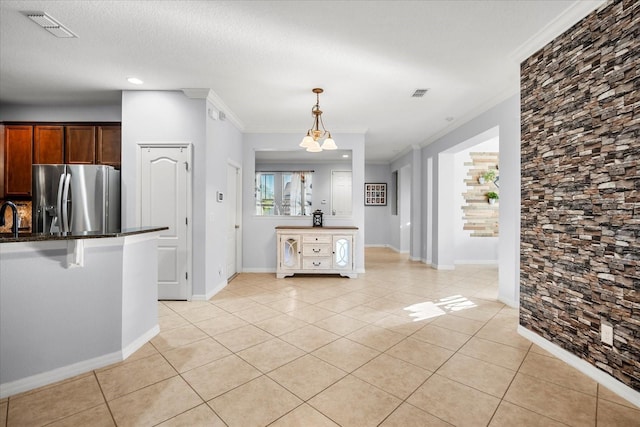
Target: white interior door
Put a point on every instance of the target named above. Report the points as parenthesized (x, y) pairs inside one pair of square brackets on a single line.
[(341, 192), (233, 225), (165, 191)]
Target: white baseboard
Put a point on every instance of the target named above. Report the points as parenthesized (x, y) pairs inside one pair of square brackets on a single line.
[(393, 248), (140, 341), (583, 366), (511, 300), (479, 262), (443, 267), (376, 246), (69, 371), (217, 288), (259, 270), (413, 258), (59, 374), (508, 301)]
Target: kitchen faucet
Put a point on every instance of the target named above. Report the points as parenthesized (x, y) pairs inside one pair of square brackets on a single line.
[(14, 226)]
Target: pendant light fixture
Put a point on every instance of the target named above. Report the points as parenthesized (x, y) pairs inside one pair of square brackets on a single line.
[(310, 141)]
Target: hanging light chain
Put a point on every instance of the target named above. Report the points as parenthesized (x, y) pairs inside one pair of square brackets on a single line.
[(310, 141)]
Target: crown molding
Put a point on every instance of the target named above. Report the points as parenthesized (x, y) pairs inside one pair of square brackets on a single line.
[(406, 150), (573, 14), (217, 102), (469, 116), (196, 93)]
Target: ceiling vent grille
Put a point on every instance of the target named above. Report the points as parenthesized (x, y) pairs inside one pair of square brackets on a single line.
[(50, 24), (419, 93)]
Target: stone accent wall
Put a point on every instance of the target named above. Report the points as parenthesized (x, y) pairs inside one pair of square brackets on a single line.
[(580, 250), (479, 216)]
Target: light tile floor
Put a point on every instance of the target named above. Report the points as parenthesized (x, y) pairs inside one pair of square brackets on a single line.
[(402, 345)]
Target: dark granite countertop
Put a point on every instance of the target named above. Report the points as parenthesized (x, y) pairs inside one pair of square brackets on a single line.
[(29, 237)]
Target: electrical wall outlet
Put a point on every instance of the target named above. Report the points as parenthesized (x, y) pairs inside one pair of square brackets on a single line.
[(606, 334)]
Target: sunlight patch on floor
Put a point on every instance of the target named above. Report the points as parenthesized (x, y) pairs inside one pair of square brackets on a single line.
[(429, 309)]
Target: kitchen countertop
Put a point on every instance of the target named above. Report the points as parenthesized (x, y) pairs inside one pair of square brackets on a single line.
[(71, 304), (29, 237)]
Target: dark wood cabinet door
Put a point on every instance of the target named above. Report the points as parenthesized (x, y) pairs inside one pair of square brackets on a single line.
[(80, 145), (108, 146), (17, 157), (48, 144)]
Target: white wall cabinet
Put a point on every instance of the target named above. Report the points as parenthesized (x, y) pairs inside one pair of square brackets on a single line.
[(315, 250)]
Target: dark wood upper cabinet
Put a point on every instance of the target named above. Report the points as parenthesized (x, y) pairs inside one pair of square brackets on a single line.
[(80, 145), (108, 145), (48, 144), (24, 144), (17, 157)]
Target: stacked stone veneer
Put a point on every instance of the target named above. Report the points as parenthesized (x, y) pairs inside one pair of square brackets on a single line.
[(580, 250), (479, 217), (24, 213)]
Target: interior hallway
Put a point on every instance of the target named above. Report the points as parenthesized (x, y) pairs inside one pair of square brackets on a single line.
[(402, 345)]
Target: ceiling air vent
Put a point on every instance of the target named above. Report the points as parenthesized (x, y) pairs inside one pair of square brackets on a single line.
[(419, 93), (50, 24)]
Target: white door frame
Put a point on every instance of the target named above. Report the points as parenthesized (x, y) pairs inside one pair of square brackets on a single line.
[(238, 253), (173, 144), (404, 208)]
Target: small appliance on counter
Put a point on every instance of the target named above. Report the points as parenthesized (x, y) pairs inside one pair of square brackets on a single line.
[(75, 199)]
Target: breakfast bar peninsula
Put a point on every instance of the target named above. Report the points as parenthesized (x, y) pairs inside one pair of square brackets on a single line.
[(74, 302)]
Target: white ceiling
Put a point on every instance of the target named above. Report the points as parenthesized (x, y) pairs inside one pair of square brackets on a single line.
[(262, 58)]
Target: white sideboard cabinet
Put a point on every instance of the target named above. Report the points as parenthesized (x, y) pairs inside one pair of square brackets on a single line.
[(315, 250)]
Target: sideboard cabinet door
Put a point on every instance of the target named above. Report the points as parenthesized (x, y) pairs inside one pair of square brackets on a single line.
[(289, 252), (343, 252)]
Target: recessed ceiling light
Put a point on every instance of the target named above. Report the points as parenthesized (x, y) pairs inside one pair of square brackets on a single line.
[(345, 156), (135, 80)]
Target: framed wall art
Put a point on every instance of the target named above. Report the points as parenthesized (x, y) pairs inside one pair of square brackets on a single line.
[(375, 194)]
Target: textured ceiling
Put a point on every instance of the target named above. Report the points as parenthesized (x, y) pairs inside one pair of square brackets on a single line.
[(262, 58)]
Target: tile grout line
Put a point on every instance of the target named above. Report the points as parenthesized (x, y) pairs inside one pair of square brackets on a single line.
[(539, 379), (310, 354), (204, 401), (265, 374), (509, 386), (345, 336), (95, 376), (597, 403), (434, 372)]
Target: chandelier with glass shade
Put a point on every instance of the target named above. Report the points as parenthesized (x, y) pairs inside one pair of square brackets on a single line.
[(311, 140)]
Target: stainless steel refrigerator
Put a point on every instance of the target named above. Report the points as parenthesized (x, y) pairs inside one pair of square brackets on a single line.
[(75, 199)]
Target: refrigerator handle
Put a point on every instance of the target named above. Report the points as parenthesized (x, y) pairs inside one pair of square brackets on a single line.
[(58, 216), (65, 202)]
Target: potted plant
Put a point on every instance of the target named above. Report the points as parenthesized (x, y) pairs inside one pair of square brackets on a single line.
[(492, 196), (488, 176)]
